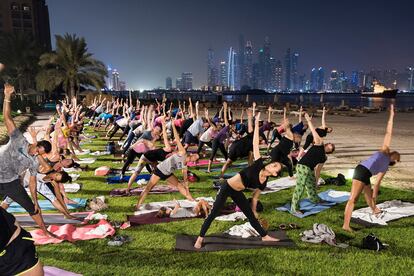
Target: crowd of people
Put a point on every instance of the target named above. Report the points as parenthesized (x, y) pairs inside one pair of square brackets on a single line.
[(161, 136)]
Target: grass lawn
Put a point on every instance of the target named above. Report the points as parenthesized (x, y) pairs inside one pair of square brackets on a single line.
[(152, 250)]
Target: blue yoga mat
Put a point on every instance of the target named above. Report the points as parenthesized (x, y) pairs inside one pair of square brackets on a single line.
[(46, 205), (309, 208), (117, 179)]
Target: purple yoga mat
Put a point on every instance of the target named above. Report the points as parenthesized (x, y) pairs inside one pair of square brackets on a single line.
[(151, 218), (158, 189), (54, 271)]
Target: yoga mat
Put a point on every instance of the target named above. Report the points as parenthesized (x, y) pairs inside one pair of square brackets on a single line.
[(117, 179), (46, 205), (158, 189), (150, 218), (391, 210), (308, 208), (201, 162), (223, 242), (184, 203), (72, 233), (26, 220), (54, 271)]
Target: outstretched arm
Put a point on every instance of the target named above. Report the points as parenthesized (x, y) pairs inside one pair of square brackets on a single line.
[(256, 150), (388, 134), (181, 149), (300, 114), (323, 118), (8, 121), (249, 121), (167, 145), (379, 177), (316, 138), (226, 121)]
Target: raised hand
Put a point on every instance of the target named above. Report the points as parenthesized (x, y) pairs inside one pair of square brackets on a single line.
[(8, 90), (307, 117)]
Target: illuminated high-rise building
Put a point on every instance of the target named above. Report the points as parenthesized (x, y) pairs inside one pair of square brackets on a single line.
[(279, 76), (178, 82), (223, 73), (115, 80), (248, 65), (186, 81), (321, 79), (211, 69), (267, 71), (260, 78), (230, 69), (108, 79), (168, 83), (314, 79), (294, 78), (288, 71), (334, 81)]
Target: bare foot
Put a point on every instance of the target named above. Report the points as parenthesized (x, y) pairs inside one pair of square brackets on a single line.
[(269, 239), (137, 207), (348, 229), (199, 243)]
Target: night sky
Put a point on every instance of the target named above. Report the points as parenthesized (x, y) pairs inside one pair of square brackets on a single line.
[(150, 40)]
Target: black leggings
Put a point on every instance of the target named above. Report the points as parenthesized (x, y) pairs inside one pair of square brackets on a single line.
[(116, 128), (16, 191), (201, 144), (215, 146), (240, 199), (132, 154)]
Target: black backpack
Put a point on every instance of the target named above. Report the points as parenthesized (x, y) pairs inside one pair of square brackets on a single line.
[(338, 181), (371, 242)]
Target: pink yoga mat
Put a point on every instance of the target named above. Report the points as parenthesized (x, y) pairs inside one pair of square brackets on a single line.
[(71, 233), (202, 162), (54, 271)]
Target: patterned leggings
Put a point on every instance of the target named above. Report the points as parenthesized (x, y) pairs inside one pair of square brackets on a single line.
[(305, 180)]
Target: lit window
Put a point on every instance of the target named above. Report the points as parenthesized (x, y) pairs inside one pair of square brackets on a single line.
[(26, 8), (14, 7)]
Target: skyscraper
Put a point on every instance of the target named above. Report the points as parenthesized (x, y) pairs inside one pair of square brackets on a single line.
[(178, 84), (211, 69), (109, 84), (294, 78), (334, 81), (321, 79), (115, 80), (223, 73), (273, 74), (230, 69), (256, 76), (240, 63), (261, 69), (168, 83), (314, 79), (267, 72), (288, 70), (186, 81), (248, 65), (29, 16), (279, 76)]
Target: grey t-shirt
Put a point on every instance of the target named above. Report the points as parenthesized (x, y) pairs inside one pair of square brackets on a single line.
[(146, 135), (196, 127), (172, 163), (14, 158)]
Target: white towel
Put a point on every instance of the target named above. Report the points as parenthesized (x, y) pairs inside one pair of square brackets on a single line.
[(86, 161), (72, 187), (74, 176), (232, 217), (279, 184), (84, 152), (100, 153), (391, 210), (243, 230)]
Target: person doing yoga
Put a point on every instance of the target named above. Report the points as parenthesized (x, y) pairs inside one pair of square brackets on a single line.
[(254, 177), (309, 168), (165, 171), (377, 164)]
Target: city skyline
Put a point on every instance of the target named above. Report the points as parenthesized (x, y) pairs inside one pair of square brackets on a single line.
[(146, 44)]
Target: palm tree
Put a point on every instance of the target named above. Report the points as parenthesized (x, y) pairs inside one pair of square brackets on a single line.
[(70, 66), (20, 53)]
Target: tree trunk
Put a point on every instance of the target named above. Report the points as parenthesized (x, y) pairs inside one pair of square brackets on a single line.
[(71, 90)]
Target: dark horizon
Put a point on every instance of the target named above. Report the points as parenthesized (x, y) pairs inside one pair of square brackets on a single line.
[(150, 41)]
